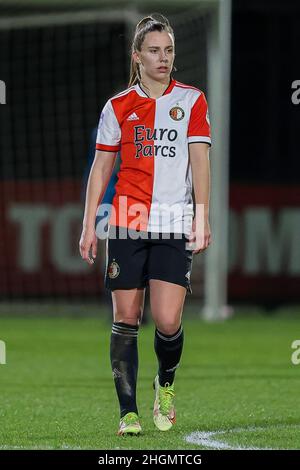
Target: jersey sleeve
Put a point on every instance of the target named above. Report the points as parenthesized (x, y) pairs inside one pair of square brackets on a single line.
[(199, 125), (109, 131)]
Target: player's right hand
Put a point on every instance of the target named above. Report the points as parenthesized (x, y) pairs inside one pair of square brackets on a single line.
[(88, 242)]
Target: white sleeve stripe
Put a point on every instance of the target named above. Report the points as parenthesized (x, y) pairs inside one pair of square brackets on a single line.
[(199, 138)]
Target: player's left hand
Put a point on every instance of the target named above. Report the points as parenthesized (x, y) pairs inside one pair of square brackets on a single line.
[(200, 236)]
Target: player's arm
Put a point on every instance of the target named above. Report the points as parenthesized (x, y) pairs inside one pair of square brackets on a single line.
[(199, 159), (99, 177)]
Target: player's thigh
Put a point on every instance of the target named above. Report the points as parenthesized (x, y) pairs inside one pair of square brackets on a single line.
[(128, 305), (166, 301), (169, 260), (169, 268)]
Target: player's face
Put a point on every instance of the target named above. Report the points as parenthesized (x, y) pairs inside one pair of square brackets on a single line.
[(157, 55)]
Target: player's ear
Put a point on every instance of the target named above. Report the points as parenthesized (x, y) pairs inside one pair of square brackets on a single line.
[(135, 57)]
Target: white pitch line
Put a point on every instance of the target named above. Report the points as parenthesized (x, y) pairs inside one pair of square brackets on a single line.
[(8, 447), (206, 438), (201, 438), (66, 447)]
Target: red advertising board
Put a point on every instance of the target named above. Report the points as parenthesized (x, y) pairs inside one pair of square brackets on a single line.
[(39, 244), (41, 225), (264, 235)]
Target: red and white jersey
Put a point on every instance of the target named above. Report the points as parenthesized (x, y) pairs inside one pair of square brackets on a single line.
[(154, 188)]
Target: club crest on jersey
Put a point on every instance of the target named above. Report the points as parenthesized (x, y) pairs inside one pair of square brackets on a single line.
[(176, 113), (113, 270)]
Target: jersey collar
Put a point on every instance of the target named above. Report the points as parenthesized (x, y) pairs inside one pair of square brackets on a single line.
[(168, 90)]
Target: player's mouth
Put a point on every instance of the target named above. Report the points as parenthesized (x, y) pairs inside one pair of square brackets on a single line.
[(163, 69)]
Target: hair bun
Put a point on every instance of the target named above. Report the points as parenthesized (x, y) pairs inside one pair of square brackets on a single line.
[(160, 18), (143, 22), (155, 18)]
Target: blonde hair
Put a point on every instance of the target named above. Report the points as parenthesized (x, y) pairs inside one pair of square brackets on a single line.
[(153, 22)]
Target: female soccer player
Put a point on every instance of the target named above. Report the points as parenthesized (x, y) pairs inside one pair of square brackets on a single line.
[(161, 127)]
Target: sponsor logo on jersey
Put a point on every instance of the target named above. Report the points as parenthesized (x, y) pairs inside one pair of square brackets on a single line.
[(142, 136), (113, 270), (133, 117), (176, 113)]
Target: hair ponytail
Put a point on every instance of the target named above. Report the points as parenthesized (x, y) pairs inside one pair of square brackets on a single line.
[(134, 73)]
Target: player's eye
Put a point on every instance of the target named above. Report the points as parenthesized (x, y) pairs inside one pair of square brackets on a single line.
[(156, 50)]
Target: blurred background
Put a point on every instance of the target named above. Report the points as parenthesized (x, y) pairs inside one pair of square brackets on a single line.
[(61, 61)]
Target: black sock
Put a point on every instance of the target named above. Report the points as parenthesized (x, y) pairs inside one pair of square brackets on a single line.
[(124, 364), (168, 350)]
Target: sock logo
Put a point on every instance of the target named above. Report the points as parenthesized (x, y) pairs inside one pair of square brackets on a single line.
[(173, 368), (116, 373)]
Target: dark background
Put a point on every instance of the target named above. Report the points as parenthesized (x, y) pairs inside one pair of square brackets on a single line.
[(265, 123)]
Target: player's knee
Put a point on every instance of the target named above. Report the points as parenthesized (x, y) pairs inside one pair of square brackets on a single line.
[(168, 328), (129, 321), (130, 318)]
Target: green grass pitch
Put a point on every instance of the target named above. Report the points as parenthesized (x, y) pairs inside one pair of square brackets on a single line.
[(236, 377)]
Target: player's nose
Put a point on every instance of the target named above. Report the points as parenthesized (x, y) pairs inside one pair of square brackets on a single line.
[(164, 59)]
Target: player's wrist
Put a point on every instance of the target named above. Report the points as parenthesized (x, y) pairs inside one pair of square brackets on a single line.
[(88, 226)]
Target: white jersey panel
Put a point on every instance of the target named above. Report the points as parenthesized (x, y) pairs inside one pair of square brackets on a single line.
[(172, 204)]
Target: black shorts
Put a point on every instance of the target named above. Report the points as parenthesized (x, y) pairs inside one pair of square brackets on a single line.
[(130, 263)]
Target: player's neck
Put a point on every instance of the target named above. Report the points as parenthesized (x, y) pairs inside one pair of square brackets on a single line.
[(153, 88)]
